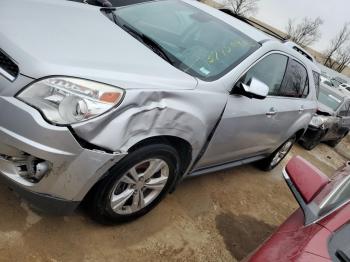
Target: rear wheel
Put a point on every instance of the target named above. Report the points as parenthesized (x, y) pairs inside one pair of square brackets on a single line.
[(276, 157), (135, 185)]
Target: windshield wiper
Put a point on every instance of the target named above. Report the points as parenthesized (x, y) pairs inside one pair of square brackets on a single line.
[(152, 44), (157, 48)]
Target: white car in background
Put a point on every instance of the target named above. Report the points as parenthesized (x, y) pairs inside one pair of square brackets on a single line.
[(344, 86), (345, 89), (327, 81)]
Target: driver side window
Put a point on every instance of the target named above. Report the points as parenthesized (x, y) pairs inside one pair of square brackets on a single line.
[(270, 70)]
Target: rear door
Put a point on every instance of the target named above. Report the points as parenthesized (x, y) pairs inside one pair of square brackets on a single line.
[(296, 104)]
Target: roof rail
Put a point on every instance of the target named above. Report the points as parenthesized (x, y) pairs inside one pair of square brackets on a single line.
[(300, 50), (270, 32), (254, 24)]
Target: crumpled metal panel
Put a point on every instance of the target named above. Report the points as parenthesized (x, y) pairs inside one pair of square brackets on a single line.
[(74, 169), (187, 114)]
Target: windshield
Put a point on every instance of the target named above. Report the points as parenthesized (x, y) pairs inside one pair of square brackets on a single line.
[(195, 42), (329, 99)]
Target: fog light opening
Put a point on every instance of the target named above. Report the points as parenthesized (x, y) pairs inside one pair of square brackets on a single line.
[(29, 167), (40, 170)]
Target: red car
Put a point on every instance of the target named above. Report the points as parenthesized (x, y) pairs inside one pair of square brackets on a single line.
[(320, 229)]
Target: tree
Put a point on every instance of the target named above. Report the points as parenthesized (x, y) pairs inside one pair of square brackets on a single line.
[(342, 58), (305, 33), (242, 7), (336, 45)]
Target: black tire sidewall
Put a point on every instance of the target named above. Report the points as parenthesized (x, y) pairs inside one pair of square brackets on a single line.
[(101, 209)]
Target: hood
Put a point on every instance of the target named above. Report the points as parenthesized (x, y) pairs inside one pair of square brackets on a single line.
[(57, 37)]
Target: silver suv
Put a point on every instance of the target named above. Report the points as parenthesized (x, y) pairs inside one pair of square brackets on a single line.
[(116, 105)]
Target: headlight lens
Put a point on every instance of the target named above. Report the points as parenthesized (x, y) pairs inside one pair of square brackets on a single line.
[(68, 100), (318, 121)]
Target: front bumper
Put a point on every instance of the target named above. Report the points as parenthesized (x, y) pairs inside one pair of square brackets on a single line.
[(74, 169)]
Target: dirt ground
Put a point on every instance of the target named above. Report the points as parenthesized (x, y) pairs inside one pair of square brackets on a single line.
[(217, 217)]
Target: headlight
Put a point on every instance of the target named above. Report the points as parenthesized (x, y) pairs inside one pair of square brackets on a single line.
[(318, 121), (68, 100)]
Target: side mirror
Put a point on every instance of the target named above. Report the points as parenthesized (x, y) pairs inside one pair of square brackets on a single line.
[(253, 89), (305, 181), (306, 178)]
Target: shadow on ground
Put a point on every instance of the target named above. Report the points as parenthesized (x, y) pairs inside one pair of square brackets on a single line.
[(242, 234)]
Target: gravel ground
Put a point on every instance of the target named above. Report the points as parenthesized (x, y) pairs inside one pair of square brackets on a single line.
[(218, 217)]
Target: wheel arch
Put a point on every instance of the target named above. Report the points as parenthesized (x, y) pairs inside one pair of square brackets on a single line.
[(182, 146)]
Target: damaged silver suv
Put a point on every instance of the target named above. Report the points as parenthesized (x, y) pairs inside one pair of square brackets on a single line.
[(115, 106)]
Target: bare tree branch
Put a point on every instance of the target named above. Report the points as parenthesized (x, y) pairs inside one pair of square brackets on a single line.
[(305, 33), (242, 7), (342, 59), (336, 46)]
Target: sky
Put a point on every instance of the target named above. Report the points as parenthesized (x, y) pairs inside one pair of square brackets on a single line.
[(334, 13)]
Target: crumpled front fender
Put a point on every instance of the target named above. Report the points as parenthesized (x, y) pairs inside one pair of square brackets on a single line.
[(187, 114)]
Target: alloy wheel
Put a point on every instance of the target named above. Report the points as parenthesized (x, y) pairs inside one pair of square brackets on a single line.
[(139, 186), (282, 152)]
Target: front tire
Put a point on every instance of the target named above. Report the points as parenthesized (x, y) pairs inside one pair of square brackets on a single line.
[(276, 157), (135, 185)]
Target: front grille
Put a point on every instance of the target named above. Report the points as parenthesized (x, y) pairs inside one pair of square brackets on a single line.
[(7, 67)]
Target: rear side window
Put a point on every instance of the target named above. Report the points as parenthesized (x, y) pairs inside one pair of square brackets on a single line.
[(295, 82), (270, 70), (284, 76), (317, 80)]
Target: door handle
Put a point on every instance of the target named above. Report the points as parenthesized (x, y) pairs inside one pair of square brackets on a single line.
[(272, 112), (301, 109)]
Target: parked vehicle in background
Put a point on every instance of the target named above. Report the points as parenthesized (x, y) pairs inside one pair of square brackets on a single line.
[(320, 229), (344, 86), (339, 79), (345, 89), (331, 122), (326, 81), (123, 103), (336, 82)]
